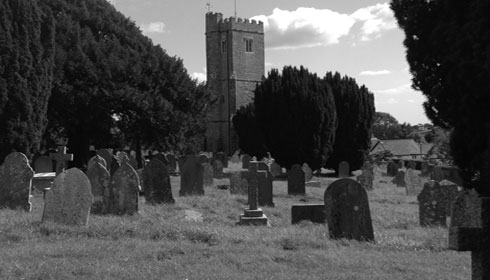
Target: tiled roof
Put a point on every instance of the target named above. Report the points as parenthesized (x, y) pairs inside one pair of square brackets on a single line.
[(399, 147)]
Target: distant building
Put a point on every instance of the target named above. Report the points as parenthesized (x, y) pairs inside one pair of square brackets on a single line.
[(400, 148), (235, 64)]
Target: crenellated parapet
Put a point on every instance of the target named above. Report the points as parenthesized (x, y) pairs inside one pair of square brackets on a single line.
[(216, 22)]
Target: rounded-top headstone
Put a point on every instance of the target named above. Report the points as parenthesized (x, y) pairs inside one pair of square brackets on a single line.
[(392, 168), (99, 178), (157, 183), (15, 182), (107, 155)]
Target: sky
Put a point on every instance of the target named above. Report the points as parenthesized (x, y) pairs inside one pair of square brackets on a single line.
[(360, 39)]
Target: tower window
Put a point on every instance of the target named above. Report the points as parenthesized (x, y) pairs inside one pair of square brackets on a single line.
[(223, 45), (248, 45)]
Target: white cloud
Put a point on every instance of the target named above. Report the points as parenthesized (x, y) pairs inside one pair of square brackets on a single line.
[(396, 90), (310, 27), (374, 73), (200, 77), (153, 27)]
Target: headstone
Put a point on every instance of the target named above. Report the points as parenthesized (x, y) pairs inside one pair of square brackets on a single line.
[(437, 174), (413, 182), (347, 211), (308, 212), (203, 158), (43, 164), (391, 168), (107, 155), (296, 180), (367, 176), (96, 159), (411, 164), (207, 174), (99, 179), (15, 182), (276, 169), (475, 238), (399, 179), (172, 163), (161, 157), (133, 161), (191, 180), (432, 205), (466, 210), (235, 158), (308, 172), (69, 200), (425, 169), (217, 169), (265, 185), (61, 158), (157, 183), (452, 192), (124, 186), (253, 215), (246, 160), (344, 169), (115, 164), (238, 182), (399, 163), (222, 157)]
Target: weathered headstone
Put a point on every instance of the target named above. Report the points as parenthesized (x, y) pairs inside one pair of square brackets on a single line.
[(172, 163), (15, 182), (115, 164), (452, 192), (432, 205), (347, 211), (157, 183), (437, 174), (133, 161), (203, 158), (235, 158), (265, 185), (425, 169), (207, 174), (246, 160), (217, 169), (238, 182), (413, 182), (108, 157), (399, 179), (276, 169), (61, 158), (69, 200), (43, 164), (99, 179), (411, 164), (367, 176), (309, 212), (191, 181), (391, 169), (222, 157), (253, 215), (124, 188), (475, 238), (161, 157), (296, 180), (466, 211), (96, 159), (308, 172), (344, 169)]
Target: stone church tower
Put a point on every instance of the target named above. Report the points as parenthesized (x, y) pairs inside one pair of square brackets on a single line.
[(235, 64)]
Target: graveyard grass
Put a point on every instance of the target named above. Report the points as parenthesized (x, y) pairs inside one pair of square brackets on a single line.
[(159, 243)]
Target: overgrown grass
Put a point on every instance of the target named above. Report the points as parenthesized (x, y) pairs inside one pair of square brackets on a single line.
[(159, 243)]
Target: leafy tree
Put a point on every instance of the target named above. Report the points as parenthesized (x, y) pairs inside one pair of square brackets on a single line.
[(296, 113), (250, 136), (355, 111), (26, 73), (448, 50)]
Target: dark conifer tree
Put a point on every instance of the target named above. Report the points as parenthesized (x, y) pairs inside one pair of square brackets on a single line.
[(251, 139), (26, 73)]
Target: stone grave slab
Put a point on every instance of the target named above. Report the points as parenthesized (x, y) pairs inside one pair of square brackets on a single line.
[(222, 157), (344, 169), (296, 180), (172, 163), (246, 158), (253, 216), (399, 179), (308, 212), (432, 205), (308, 172), (15, 182), (99, 179), (158, 189), (238, 182), (452, 192), (95, 159), (392, 168), (265, 185), (107, 155), (207, 174), (124, 194), (191, 177), (413, 182)]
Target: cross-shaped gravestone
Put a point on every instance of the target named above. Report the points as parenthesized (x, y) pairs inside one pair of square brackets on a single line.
[(475, 239), (61, 158), (253, 215)]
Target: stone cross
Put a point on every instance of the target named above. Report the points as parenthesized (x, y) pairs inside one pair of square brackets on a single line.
[(475, 239), (61, 158), (253, 215)]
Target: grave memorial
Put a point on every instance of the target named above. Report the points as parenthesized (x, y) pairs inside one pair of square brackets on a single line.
[(253, 216), (124, 190), (158, 189), (296, 180), (432, 205), (191, 180), (15, 182), (344, 169), (99, 179), (61, 158)]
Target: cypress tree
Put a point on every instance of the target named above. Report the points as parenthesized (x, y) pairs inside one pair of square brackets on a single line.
[(251, 139)]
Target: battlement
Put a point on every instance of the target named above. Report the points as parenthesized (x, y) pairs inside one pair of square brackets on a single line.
[(216, 22)]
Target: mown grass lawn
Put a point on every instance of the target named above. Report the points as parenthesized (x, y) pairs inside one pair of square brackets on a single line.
[(159, 243)]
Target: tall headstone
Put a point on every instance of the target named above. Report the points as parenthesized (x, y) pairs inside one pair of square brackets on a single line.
[(253, 215), (191, 181), (99, 179), (391, 168), (308, 172), (207, 174), (265, 185), (108, 157), (238, 182), (43, 164), (432, 205), (296, 180), (413, 182), (246, 161), (347, 211), (452, 192), (344, 169), (124, 187), (158, 189), (115, 164), (61, 158), (69, 200), (15, 182)]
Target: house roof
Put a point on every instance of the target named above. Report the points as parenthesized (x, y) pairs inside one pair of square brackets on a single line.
[(399, 147)]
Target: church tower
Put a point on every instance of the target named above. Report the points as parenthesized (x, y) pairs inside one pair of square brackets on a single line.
[(235, 64)]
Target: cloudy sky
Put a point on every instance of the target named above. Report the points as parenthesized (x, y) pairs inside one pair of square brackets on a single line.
[(356, 38)]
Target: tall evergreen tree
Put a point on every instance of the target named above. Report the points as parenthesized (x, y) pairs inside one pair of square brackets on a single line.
[(250, 137), (448, 50), (355, 112), (296, 113), (26, 73)]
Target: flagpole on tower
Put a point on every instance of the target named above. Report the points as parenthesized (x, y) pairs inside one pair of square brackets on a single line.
[(235, 9)]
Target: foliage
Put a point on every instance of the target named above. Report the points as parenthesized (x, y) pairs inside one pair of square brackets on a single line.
[(386, 127), (251, 139), (26, 73), (355, 111), (448, 50), (441, 149), (296, 113)]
